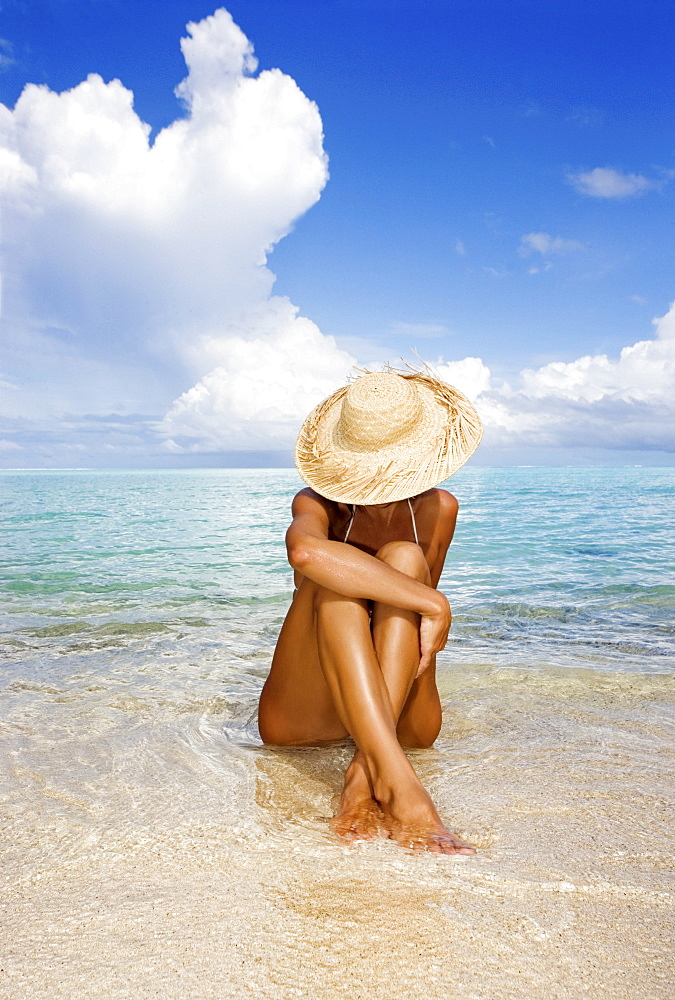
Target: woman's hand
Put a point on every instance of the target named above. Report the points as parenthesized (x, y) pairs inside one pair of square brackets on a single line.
[(434, 630)]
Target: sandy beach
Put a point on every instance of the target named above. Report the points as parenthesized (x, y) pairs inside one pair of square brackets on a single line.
[(570, 893), (153, 847)]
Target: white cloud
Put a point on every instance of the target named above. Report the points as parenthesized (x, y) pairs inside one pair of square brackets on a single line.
[(215, 59), (470, 375), (460, 248), (546, 245), (643, 372), (255, 396), (7, 59), (594, 401), (262, 388), (605, 182), (131, 267)]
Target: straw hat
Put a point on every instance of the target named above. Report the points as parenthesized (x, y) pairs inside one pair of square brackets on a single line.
[(386, 436)]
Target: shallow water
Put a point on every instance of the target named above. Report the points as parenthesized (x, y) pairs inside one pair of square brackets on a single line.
[(154, 847)]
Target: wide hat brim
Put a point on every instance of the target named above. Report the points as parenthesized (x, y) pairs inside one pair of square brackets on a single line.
[(446, 433)]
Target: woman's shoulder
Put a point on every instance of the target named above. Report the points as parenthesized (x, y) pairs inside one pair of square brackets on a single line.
[(438, 502), (437, 517), (307, 497), (436, 512), (308, 500), (310, 508)]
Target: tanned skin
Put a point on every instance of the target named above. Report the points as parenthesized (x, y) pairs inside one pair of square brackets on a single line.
[(356, 656)]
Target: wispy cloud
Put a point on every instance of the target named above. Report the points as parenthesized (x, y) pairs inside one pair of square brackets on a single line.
[(605, 182), (547, 245), (421, 330), (6, 55), (531, 109), (586, 117)]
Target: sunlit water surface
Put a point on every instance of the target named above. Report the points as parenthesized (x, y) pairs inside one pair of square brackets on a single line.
[(154, 847)]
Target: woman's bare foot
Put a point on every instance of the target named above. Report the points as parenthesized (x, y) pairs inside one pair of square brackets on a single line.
[(358, 817), (360, 821), (436, 839), (412, 821)]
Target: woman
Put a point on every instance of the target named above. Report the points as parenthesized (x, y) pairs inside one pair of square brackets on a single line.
[(356, 654)]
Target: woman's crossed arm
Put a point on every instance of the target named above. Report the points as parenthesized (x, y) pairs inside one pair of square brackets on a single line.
[(353, 573)]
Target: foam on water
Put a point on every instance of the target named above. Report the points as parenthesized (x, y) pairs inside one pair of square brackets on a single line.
[(154, 847)]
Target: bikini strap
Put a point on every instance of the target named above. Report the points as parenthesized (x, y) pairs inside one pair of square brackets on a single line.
[(351, 521), (412, 514)]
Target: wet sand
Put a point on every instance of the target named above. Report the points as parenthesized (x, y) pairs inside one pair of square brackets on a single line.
[(147, 855)]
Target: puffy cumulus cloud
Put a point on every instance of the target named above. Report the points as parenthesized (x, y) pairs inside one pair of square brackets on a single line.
[(470, 375), (262, 388), (153, 252), (255, 395), (594, 401), (643, 372), (605, 182), (215, 59)]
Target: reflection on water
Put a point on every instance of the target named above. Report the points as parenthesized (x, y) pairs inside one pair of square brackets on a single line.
[(152, 845)]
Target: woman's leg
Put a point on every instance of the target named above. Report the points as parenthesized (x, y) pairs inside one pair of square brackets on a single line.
[(368, 696), (326, 681), (415, 703), (296, 707)]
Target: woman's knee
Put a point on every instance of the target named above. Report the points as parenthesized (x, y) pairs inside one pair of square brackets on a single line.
[(406, 557), (273, 733), (416, 739), (272, 725), (419, 732)]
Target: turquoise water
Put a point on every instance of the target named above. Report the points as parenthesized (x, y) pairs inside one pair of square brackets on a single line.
[(142, 819), (573, 567)]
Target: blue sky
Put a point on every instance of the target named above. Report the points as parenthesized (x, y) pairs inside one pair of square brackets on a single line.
[(501, 189)]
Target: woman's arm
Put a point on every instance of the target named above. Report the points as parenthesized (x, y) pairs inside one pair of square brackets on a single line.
[(349, 571)]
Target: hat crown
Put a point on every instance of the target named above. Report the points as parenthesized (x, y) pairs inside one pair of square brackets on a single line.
[(387, 436), (378, 410)]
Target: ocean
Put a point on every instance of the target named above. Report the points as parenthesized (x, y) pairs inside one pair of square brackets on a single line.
[(153, 847)]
